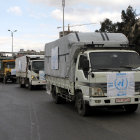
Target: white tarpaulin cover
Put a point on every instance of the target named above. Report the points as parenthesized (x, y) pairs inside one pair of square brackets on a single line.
[(69, 47), (21, 62), (54, 58), (120, 84)]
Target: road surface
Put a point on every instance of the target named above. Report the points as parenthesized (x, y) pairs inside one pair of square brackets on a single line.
[(32, 115)]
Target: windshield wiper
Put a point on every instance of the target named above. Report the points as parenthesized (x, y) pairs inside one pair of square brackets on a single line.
[(106, 69), (130, 67)]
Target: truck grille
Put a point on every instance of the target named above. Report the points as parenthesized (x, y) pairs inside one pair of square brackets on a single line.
[(137, 86), (103, 86)]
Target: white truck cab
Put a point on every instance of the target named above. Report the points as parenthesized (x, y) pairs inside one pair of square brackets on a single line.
[(109, 77), (36, 73)]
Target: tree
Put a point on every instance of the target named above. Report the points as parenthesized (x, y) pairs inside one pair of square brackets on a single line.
[(134, 36), (128, 20), (107, 26), (130, 26), (129, 16)]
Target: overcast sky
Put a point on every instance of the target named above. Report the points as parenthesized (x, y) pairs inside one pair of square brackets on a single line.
[(37, 20)]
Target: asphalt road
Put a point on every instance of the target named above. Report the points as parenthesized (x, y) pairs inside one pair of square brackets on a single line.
[(32, 115)]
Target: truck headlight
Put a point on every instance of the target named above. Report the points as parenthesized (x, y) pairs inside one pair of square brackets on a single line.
[(33, 77), (96, 92)]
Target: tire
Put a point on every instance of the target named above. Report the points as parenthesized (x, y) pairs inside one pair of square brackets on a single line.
[(20, 82), (81, 106), (0, 79), (57, 99), (14, 81), (4, 80), (131, 108), (22, 85), (30, 86)]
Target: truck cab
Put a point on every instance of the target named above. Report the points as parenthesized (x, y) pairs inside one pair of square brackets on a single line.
[(109, 77), (36, 72), (9, 72)]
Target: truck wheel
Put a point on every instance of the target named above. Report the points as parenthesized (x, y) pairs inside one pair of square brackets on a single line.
[(14, 81), (81, 106), (4, 80), (131, 108), (22, 85), (57, 99), (20, 82), (0, 79), (30, 86)]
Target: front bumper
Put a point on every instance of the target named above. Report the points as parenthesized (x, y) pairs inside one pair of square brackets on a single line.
[(39, 83), (111, 101)]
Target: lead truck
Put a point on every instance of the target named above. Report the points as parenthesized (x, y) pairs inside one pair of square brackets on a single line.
[(93, 70), (30, 71)]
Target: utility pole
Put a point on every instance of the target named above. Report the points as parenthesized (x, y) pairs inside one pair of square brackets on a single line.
[(63, 5), (12, 35)]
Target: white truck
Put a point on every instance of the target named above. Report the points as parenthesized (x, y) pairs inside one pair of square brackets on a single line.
[(30, 71), (94, 70)]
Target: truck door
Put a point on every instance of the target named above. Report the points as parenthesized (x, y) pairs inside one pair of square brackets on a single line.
[(81, 76)]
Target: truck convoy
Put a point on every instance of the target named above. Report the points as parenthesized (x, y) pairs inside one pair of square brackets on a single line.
[(93, 70), (30, 71), (7, 69)]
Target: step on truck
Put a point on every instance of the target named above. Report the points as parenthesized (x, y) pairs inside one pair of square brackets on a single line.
[(93, 70), (30, 71)]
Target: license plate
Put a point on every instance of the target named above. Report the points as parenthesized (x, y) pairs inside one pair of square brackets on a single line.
[(123, 100)]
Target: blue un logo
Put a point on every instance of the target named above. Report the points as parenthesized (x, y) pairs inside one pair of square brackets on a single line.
[(121, 83)]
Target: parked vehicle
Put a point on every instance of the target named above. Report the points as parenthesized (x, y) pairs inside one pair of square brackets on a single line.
[(94, 70), (30, 71), (7, 69)]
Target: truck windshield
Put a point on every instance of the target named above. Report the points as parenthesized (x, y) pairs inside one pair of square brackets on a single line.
[(114, 60), (37, 66), (10, 65)]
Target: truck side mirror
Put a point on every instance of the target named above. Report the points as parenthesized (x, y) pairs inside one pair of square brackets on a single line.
[(29, 67), (85, 65)]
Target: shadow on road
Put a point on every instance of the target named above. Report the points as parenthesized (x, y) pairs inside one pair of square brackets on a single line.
[(99, 112)]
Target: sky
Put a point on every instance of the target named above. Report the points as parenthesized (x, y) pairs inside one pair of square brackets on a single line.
[(36, 21)]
